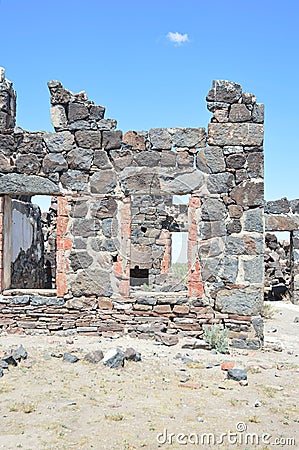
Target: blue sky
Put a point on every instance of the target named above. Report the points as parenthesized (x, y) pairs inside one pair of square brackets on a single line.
[(120, 54)]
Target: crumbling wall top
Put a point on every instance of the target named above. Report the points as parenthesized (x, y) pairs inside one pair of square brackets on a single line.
[(7, 103)]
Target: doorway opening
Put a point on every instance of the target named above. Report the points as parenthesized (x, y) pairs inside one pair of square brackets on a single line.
[(277, 265), (30, 243)]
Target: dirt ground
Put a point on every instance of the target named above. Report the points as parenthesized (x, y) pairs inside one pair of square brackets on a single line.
[(164, 401)]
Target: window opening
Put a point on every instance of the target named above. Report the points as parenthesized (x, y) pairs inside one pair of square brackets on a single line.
[(277, 265), (139, 277)]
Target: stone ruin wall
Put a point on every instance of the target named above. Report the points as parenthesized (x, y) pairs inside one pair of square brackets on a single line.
[(109, 185), (283, 215)]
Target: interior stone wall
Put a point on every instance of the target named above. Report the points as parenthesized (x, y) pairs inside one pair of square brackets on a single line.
[(149, 238), (27, 247)]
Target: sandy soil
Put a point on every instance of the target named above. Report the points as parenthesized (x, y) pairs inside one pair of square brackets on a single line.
[(46, 403)]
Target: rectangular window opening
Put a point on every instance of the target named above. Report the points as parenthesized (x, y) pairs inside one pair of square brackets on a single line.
[(139, 277), (179, 258), (181, 199)]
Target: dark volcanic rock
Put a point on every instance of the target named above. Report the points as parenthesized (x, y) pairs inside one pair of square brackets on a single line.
[(237, 374), (21, 353), (10, 360), (69, 357), (167, 339), (3, 364), (224, 91), (132, 355), (94, 357), (15, 182), (114, 358)]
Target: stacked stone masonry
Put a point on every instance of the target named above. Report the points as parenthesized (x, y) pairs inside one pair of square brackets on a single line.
[(116, 214), (283, 215)]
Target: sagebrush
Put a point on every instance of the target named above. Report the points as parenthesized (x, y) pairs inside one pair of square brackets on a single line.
[(216, 336)]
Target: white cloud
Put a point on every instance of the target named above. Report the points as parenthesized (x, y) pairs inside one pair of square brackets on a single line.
[(177, 38)]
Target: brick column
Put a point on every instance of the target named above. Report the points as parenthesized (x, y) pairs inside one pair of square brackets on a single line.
[(1, 244), (63, 244), (165, 237), (195, 285), (122, 265), (294, 246)]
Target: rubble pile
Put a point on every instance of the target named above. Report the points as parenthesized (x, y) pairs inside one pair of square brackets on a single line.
[(277, 267), (12, 357)]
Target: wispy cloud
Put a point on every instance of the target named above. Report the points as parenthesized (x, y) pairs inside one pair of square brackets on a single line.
[(177, 38)]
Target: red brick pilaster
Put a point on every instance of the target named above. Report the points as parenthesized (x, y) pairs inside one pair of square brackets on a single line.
[(195, 285), (1, 243), (166, 262), (63, 244)]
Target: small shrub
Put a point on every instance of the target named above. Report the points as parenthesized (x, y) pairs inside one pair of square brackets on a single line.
[(268, 311), (145, 287), (254, 370), (269, 391), (26, 408), (5, 387), (114, 417), (254, 419), (217, 338)]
